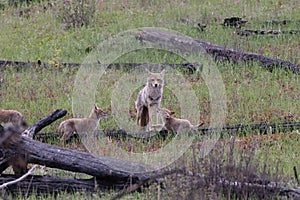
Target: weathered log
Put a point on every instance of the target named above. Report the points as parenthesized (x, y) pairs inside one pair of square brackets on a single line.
[(36, 127), (108, 169), (118, 134), (266, 32), (36, 184), (280, 22), (234, 22), (241, 129), (189, 45), (4, 63), (242, 188)]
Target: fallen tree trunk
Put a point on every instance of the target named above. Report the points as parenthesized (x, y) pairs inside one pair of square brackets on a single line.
[(241, 129), (35, 184), (243, 188), (189, 45), (108, 169), (266, 32), (5, 63)]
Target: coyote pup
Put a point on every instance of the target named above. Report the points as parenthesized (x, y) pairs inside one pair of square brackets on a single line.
[(175, 124), (149, 98), (81, 125), (12, 116)]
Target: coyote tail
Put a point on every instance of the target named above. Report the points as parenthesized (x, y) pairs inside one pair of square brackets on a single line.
[(144, 116), (60, 127), (196, 127)]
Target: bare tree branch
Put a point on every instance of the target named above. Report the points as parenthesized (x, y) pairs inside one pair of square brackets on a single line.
[(18, 179)]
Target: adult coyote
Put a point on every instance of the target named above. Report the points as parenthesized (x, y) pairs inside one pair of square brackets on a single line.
[(149, 98)]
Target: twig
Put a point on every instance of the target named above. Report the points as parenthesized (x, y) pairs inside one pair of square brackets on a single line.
[(18, 179)]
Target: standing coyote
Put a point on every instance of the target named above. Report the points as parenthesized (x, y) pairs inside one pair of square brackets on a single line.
[(81, 125), (149, 98), (174, 124), (12, 116)]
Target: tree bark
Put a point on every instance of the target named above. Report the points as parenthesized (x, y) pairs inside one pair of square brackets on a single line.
[(189, 45), (46, 184), (51, 185)]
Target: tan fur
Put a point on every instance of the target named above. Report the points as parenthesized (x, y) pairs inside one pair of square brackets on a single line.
[(174, 124), (10, 137), (12, 116), (81, 125), (149, 98)]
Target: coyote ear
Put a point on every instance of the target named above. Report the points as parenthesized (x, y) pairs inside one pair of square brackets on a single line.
[(172, 113), (148, 72), (95, 107), (162, 73)]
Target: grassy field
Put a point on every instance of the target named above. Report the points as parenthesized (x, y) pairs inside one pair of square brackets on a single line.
[(35, 32)]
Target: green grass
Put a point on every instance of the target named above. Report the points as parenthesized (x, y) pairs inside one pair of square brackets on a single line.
[(254, 95)]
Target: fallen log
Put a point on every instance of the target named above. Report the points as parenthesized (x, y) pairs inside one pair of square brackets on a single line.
[(266, 32), (47, 184), (234, 22), (280, 22), (36, 127), (239, 129), (189, 45), (242, 188), (36, 184), (118, 66), (110, 170)]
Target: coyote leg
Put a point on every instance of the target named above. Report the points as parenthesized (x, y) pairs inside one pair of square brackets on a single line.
[(138, 116), (150, 112)]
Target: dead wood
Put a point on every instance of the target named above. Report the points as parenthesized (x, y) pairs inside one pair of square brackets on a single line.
[(266, 32), (5, 63), (36, 127), (36, 184), (108, 169), (234, 22), (47, 184), (241, 129), (189, 45), (268, 190), (281, 22)]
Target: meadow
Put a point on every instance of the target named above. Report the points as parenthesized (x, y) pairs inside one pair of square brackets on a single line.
[(35, 31)]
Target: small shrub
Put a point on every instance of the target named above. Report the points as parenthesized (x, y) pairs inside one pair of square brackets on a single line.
[(74, 14)]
